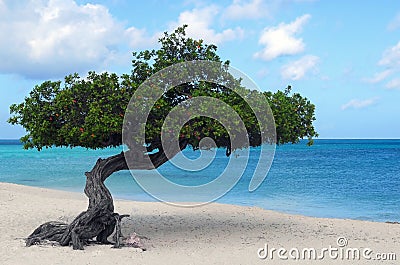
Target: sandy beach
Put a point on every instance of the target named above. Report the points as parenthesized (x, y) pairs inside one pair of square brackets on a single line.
[(212, 234)]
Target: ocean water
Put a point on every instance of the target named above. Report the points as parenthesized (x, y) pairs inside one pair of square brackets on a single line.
[(355, 179)]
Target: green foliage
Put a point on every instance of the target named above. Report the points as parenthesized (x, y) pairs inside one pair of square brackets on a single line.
[(294, 116), (89, 111), (81, 112)]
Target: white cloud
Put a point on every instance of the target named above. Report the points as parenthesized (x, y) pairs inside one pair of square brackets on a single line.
[(297, 69), (56, 37), (139, 38), (395, 23), (378, 77), (390, 60), (253, 9), (281, 40), (393, 84), (391, 57), (199, 21), (359, 104)]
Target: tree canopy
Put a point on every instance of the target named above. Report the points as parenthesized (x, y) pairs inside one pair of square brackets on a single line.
[(89, 111)]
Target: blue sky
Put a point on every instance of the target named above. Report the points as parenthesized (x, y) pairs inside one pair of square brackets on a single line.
[(343, 55)]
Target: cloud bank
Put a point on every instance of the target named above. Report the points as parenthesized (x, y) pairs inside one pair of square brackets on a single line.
[(51, 38)]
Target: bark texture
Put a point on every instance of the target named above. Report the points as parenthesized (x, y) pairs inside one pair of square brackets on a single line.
[(99, 221)]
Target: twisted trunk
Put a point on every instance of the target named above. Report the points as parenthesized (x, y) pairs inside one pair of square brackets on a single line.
[(99, 220)]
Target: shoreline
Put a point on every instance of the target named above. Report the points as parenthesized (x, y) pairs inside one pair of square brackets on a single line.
[(211, 234), (125, 199)]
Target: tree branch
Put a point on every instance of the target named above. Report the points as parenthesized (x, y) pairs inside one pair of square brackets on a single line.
[(156, 159)]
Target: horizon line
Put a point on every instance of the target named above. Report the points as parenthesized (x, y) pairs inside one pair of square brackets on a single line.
[(322, 138)]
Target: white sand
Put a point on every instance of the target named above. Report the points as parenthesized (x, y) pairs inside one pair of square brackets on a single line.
[(212, 234)]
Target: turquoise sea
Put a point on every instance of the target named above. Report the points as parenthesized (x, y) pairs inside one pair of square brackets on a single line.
[(356, 179)]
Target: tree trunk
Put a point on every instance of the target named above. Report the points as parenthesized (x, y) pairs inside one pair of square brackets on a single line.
[(99, 220)]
